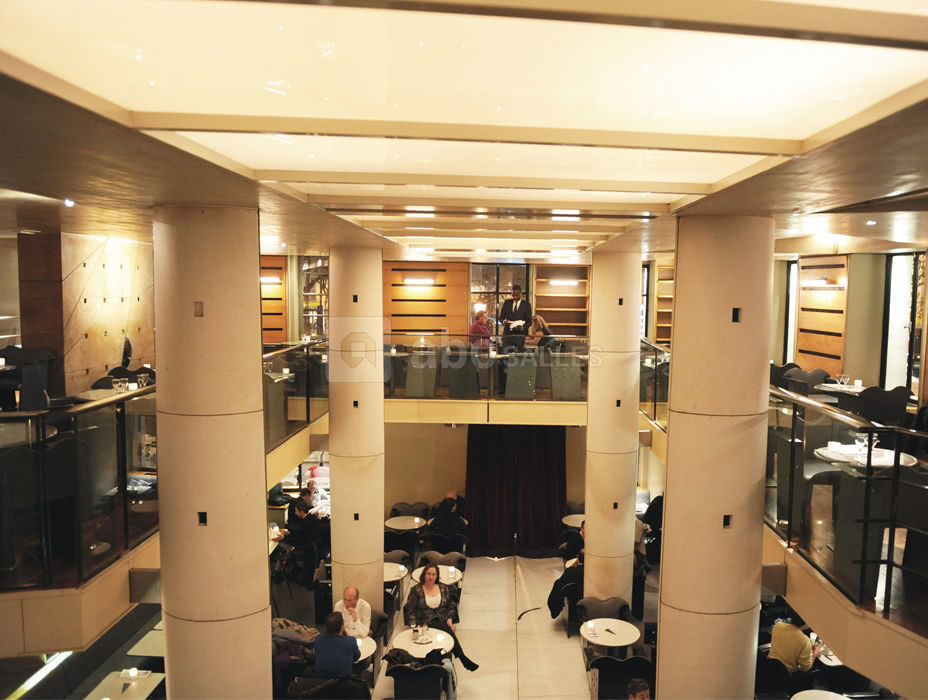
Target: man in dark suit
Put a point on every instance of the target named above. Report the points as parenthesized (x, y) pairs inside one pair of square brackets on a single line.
[(514, 310)]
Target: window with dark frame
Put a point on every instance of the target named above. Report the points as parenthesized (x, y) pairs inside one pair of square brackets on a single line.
[(491, 284)]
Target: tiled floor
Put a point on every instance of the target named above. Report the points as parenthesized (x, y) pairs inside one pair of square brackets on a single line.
[(529, 657)]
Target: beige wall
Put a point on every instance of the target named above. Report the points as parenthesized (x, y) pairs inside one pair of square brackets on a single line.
[(424, 460), (864, 330), (107, 292), (576, 464), (778, 310)]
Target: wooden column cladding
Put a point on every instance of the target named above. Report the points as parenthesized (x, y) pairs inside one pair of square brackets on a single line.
[(273, 299), (424, 297), (822, 326)]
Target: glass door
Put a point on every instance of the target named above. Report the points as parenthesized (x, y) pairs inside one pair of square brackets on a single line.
[(903, 318)]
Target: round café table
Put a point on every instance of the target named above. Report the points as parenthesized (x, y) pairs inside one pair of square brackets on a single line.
[(367, 647), (609, 632), (446, 574), (575, 520), (393, 572), (436, 639), (817, 694), (405, 522)]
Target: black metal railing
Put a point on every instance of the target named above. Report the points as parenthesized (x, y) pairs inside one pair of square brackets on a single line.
[(295, 389), (78, 488)]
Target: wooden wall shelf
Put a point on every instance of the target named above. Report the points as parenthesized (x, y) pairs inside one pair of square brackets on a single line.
[(565, 308), (663, 311)]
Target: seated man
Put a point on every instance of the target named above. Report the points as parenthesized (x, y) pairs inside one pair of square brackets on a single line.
[(335, 652), (356, 613), (572, 574), (638, 689), (574, 543), (448, 522), (789, 644)]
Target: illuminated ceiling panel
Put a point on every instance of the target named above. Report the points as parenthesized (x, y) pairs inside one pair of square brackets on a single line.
[(332, 153), (289, 59)]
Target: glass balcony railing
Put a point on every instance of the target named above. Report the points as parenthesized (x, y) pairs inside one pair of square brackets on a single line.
[(654, 383), (78, 488), (851, 496), (296, 389), (446, 366)]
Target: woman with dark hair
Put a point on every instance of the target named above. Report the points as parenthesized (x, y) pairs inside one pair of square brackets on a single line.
[(431, 603)]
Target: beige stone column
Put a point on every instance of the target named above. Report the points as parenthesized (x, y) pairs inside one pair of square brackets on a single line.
[(612, 425), (214, 563), (714, 496), (356, 442)]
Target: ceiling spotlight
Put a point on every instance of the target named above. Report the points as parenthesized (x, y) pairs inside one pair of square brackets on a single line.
[(69, 203), (870, 222)]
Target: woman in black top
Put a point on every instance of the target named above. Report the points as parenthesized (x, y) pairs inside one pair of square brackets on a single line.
[(432, 603)]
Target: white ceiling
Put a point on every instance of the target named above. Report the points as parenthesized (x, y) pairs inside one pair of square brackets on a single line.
[(266, 60)]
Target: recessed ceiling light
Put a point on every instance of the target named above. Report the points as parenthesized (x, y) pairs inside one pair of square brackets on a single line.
[(480, 251), (419, 207), (565, 230), (571, 212), (69, 203), (565, 218), (871, 222), (480, 216), (283, 245), (420, 228)]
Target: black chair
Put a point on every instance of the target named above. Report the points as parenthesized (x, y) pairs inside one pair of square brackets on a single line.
[(419, 509), (398, 556), (146, 370), (103, 383), (777, 372), (405, 540), (614, 674), (417, 681), (460, 367), (121, 373), (882, 406), (443, 543), (380, 631), (572, 593), (771, 677), (593, 608), (804, 382)]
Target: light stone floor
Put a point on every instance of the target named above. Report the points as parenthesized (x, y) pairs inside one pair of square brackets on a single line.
[(529, 657)]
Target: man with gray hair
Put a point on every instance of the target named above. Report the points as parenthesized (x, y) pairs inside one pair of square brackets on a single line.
[(356, 611)]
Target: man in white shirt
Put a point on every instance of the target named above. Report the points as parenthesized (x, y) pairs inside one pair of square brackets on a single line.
[(356, 612)]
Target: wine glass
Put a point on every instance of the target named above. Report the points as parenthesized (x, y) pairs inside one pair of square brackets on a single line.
[(142, 379), (843, 379)]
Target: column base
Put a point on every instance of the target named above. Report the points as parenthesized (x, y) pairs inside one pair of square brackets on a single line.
[(196, 651)]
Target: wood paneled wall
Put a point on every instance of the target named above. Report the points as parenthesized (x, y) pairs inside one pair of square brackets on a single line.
[(822, 318), (274, 299), (440, 307), (81, 297)]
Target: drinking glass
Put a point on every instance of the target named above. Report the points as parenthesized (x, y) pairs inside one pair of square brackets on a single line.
[(843, 379), (120, 385), (142, 379), (860, 442)]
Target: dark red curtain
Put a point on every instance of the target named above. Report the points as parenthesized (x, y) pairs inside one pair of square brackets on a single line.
[(515, 488)]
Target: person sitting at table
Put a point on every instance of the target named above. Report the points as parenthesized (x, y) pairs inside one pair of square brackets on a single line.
[(790, 645), (451, 493), (538, 333), (335, 652), (638, 689), (575, 543), (480, 330), (431, 603), (356, 613), (572, 574), (448, 522)]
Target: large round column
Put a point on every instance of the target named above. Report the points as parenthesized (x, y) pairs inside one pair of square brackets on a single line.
[(356, 442), (612, 425), (213, 519), (714, 496)]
